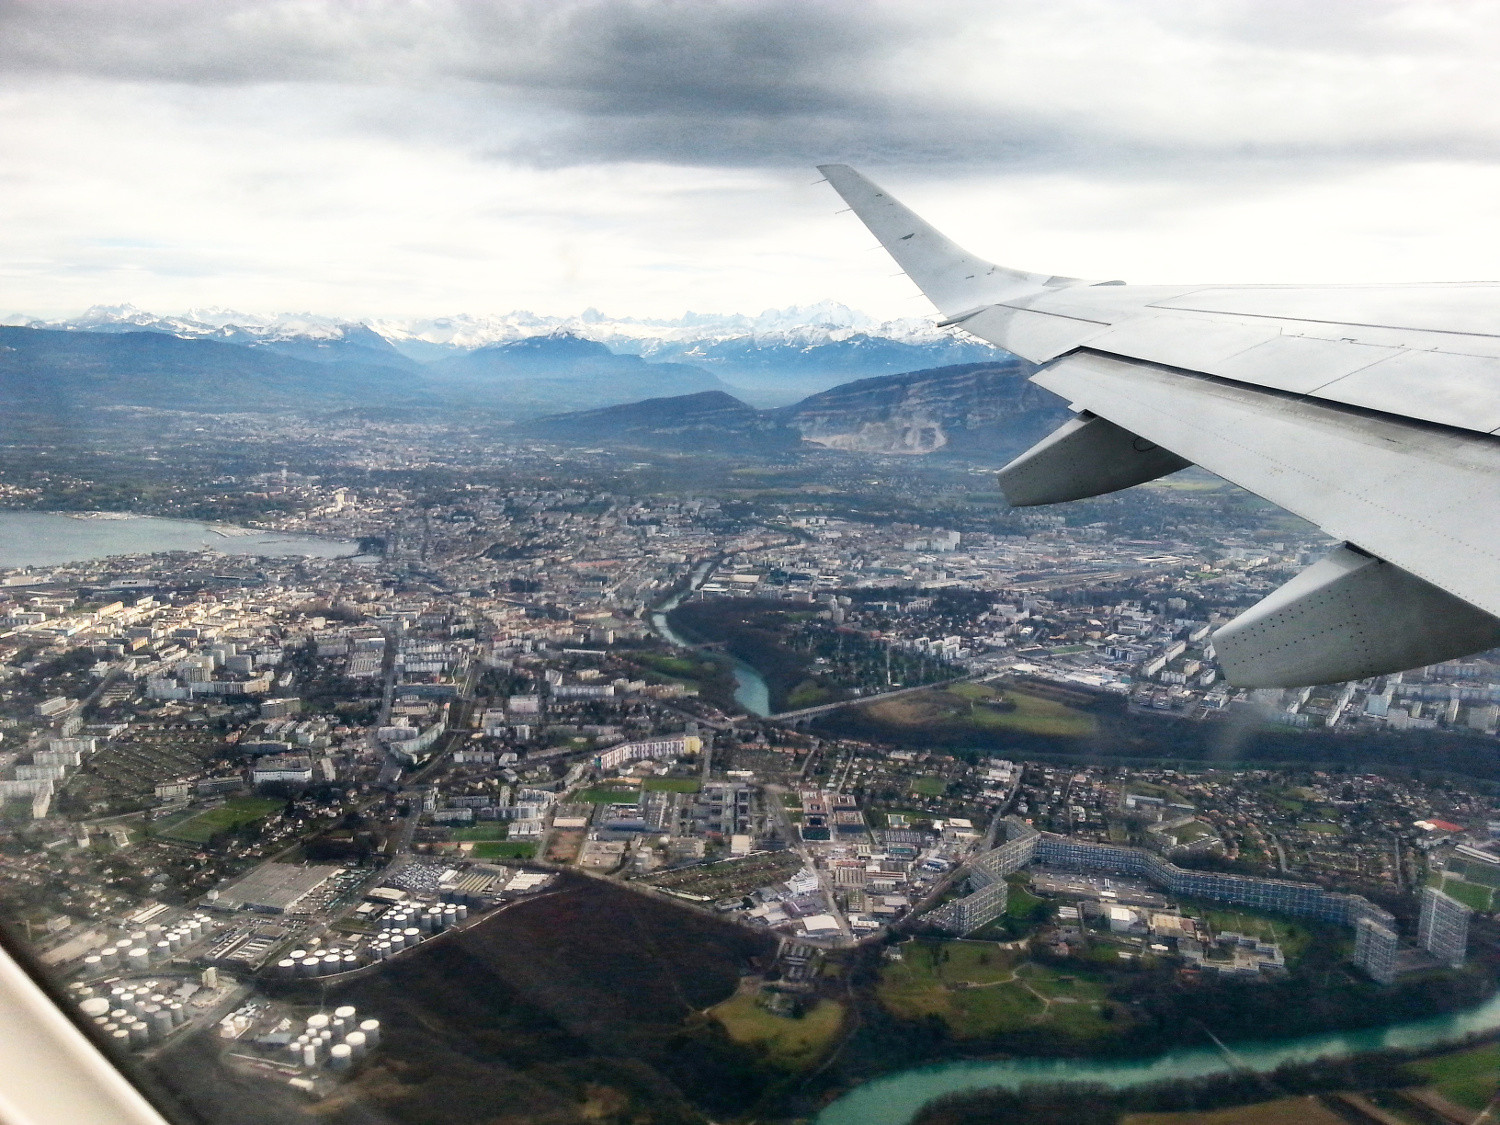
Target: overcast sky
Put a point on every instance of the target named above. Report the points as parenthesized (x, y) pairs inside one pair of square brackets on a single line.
[(369, 159)]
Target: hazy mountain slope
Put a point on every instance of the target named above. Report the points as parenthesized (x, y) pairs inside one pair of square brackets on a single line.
[(318, 339), (44, 371), (710, 418), (771, 359), (544, 374)]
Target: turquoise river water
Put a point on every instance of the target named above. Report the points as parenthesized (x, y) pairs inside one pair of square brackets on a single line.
[(751, 691), (895, 1098)]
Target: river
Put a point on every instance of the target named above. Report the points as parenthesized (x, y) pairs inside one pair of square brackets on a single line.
[(895, 1098), (54, 538), (750, 689)]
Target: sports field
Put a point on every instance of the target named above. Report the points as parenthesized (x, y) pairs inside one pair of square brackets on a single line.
[(503, 849), (227, 817)]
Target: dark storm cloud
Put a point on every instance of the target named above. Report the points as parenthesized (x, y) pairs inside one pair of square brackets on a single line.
[(1076, 84)]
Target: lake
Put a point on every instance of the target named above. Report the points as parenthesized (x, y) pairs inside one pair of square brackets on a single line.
[(54, 538)]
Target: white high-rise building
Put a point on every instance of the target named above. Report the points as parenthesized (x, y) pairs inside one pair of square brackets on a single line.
[(1443, 928), (1375, 948)]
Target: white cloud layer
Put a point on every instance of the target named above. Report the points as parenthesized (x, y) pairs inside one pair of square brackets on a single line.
[(368, 159)]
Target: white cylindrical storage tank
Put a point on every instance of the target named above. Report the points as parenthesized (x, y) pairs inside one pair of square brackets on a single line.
[(138, 938), (307, 967), (174, 939), (349, 961), (120, 1014), (138, 959), (460, 911), (95, 1006), (339, 1056), (317, 1023), (298, 954), (179, 1014), (110, 956), (331, 963), (310, 1055), (158, 998), (286, 967), (161, 951), (356, 1043), (295, 1049), (450, 914), (93, 964), (371, 1031), (411, 935), (120, 1038), (346, 1012), (161, 1022), (107, 1025), (426, 922), (140, 1034), (155, 930)]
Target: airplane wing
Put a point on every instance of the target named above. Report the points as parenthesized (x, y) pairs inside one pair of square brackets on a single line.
[(1369, 410)]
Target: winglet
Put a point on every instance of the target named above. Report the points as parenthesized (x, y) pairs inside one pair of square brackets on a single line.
[(954, 280)]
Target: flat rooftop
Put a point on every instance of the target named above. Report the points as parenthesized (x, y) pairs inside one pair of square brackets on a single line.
[(273, 888)]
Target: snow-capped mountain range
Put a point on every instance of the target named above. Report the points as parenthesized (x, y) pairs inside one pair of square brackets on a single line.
[(778, 356)]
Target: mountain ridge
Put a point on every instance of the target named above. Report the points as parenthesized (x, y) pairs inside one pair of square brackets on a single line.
[(981, 410), (774, 358)]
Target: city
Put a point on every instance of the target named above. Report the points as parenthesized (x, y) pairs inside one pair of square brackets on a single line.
[(237, 781)]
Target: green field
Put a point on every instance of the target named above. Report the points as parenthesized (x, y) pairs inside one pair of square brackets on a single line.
[(231, 815), (494, 831), (608, 796), (1466, 1077), (1473, 895), (1322, 826), (982, 706), (671, 785), (1474, 871), (503, 849), (981, 990), (795, 1044), (929, 786)]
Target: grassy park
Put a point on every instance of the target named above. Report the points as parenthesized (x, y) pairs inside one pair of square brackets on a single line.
[(980, 990), (795, 1044)]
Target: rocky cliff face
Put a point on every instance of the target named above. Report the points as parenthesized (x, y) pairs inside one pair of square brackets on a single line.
[(969, 409)]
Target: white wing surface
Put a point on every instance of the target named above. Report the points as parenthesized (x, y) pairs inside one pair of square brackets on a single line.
[(1368, 410)]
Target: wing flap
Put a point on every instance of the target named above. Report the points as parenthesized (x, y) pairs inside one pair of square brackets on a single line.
[(1427, 500)]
